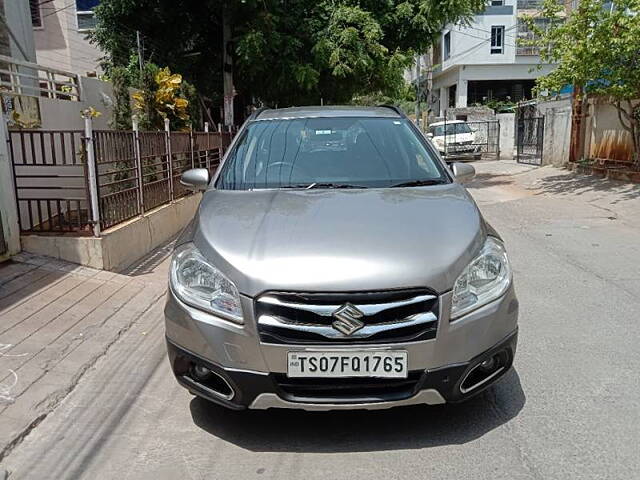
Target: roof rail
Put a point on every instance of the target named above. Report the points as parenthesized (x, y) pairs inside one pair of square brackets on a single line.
[(396, 109)]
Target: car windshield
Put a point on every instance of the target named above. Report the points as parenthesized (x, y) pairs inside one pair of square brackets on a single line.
[(329, 153), (452, 129)]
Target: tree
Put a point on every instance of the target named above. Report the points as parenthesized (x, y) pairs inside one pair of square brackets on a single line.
[(160, 94), (161, 98), (597, 49), (285, 51), (122, 109)]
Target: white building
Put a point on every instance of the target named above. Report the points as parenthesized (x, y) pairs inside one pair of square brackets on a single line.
[(482, 61), (16, 42), (60, 30)]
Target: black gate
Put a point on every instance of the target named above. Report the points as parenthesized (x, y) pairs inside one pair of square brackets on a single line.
[(530, 140)]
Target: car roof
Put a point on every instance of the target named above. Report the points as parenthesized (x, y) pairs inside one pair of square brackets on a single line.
[(437, 124), (327, 112)]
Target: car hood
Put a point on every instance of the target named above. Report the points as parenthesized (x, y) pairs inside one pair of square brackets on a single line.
[(339, 240)]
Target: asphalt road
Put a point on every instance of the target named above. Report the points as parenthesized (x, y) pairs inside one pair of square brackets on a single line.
[(569, 409)]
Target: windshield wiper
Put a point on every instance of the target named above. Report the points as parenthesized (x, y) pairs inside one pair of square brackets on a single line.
[(311, 186), (333, 185), (419, 183)]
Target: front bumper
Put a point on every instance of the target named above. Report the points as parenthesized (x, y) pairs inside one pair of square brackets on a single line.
[(261, 391), (462, 153), (256, 372)]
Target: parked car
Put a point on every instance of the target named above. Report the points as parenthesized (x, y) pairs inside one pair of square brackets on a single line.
[(455, 140), (336, 262)]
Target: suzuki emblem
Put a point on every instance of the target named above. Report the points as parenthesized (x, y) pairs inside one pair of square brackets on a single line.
[(348, 319)]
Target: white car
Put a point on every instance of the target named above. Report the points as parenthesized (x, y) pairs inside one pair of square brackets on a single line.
[(457, 143)]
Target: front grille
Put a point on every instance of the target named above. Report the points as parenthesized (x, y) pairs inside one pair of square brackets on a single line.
[(345, 390), (306, 318)]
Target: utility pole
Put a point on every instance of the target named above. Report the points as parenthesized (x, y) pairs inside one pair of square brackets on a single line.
[(418, 90), (227, 66), (140, 61)]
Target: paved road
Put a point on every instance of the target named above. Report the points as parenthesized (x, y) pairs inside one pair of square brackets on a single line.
[(568, 410)]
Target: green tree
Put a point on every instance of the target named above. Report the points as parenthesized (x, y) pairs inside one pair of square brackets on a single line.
[(285, 51), (597, 49), (122, 109)]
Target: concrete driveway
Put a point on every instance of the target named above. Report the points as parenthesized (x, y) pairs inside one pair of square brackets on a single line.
[(569, 409)]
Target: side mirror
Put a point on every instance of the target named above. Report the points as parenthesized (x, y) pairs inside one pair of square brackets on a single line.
[(429, 135), (463, 172), (196, 179)]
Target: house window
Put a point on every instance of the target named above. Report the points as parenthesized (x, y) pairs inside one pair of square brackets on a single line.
[(497, 39), (36, 15), (447, 45), (496, 3), (85, 15)]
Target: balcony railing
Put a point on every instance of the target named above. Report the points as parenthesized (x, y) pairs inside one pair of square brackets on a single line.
[(32, 80), (535, 4), (529, 4), (526, 49)]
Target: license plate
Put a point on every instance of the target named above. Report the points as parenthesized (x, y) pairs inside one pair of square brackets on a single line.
[(383, 364)]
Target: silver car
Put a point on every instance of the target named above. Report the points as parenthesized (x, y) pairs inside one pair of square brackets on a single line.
[(336, 262)]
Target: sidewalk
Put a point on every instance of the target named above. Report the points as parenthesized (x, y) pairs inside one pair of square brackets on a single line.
[(56, 320)]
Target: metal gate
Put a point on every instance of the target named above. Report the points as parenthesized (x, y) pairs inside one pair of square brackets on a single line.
[(467, 139), (530, 140), (486, 138)]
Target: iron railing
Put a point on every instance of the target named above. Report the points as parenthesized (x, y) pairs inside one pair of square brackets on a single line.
[(59, 179), (32, 80), (50, 180)]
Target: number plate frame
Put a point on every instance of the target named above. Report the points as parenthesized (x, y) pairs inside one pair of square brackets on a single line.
[(348, 364)]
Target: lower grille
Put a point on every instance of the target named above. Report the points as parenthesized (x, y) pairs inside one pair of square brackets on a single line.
[(346, 390), (308, 318)]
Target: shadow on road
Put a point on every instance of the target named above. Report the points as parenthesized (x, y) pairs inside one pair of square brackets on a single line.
[(571, 183), (484, 180), (364, 431), (151, 261)]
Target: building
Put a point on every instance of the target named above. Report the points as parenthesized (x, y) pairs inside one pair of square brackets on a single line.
[(60, 30), (16, 42), (482, 62)]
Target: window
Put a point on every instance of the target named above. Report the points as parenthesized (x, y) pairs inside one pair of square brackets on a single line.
[(453, 94), (366, 152), (447, 45), (84, 14), (452, 129), (496, 3), (36, 15), (497, 39)]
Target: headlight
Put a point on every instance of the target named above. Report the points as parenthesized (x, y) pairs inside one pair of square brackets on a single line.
[(486, 278), (198, 283)]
